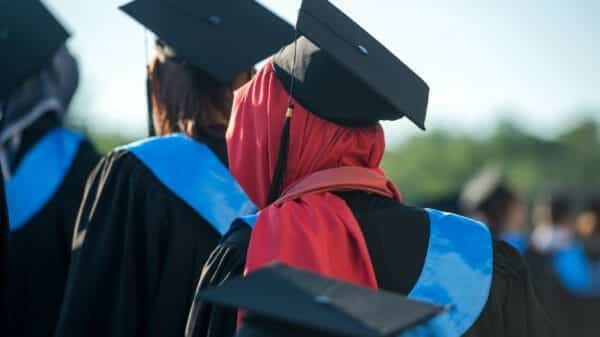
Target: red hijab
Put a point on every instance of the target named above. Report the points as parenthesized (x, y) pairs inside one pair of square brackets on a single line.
[(309, 227)]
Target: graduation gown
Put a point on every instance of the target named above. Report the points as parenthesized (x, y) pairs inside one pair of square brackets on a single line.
[(43, 197), (151, 214), (398, 239), (3, 250), (569, 288)]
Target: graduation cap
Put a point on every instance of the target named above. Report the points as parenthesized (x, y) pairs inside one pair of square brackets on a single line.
[(220, 37), (339, 72), (29, 37), (282, 301), (342, 74), (484, 191)]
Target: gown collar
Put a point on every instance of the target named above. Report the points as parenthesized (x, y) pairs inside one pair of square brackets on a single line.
[(193, 172), (39, 175)]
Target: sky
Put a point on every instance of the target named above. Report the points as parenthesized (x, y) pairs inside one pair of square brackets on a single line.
[(535, 62)]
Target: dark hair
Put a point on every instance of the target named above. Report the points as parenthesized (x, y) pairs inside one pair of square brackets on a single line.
[(495, 208), (186, 99), (561, 208)]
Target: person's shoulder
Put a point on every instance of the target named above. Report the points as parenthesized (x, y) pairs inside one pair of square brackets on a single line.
[(238, 237), (87, 148), (119, 158), (457, 222), (86, 159), (121, 165), (380, 208), (508, 262)]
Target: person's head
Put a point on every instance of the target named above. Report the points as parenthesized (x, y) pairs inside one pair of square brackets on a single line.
[(26, 52), (317, 105), (57, 81), (189, 100), (42, 98), (561, 210), (205, 50), (488, 198), (588, 221), (253, 139), (503, 211)]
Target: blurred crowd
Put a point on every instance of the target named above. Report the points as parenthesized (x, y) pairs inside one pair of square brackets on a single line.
[(558, 234)]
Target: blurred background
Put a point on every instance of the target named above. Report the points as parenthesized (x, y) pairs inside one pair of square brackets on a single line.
[(513, 84)]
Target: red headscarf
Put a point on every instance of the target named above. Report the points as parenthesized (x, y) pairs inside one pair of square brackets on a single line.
[(311, 229)]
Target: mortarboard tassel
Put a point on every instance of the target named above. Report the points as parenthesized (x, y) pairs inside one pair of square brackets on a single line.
[(284, 143), (280, 167), (151, 130)]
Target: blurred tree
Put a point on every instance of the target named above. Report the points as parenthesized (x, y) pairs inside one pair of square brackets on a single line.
[(437, 164)]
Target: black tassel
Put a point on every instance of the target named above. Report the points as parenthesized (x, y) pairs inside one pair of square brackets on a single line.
[(151, 130), (280, 168)]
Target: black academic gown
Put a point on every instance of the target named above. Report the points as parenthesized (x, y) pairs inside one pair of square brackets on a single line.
[(573, 314), (39, 251), (227, 261), (3, 250), (397, 238), (135, 273)]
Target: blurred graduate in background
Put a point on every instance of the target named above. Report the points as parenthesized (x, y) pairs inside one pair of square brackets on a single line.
[(488, 198), (557, 228), (566, 258), (554, 230), (45, 165), (306, 145), (587, 225), (153, 210)]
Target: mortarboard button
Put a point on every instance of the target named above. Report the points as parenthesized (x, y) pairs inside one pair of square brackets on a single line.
[(363, 49), (215, 20)]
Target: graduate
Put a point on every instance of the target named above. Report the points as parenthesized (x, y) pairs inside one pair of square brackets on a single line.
[(554, 230), (153, 210), (558, 228), (487, 198), (569, 285), (45, 165), (306, 145)]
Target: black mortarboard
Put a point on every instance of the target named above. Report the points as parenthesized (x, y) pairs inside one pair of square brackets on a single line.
[(29, 37), (282, 301), (222, 38), (339, 72), (485, 191), (343, 74)]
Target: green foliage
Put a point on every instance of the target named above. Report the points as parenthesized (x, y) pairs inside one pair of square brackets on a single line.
[(438, 163), (103, 141), (106, 142)]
